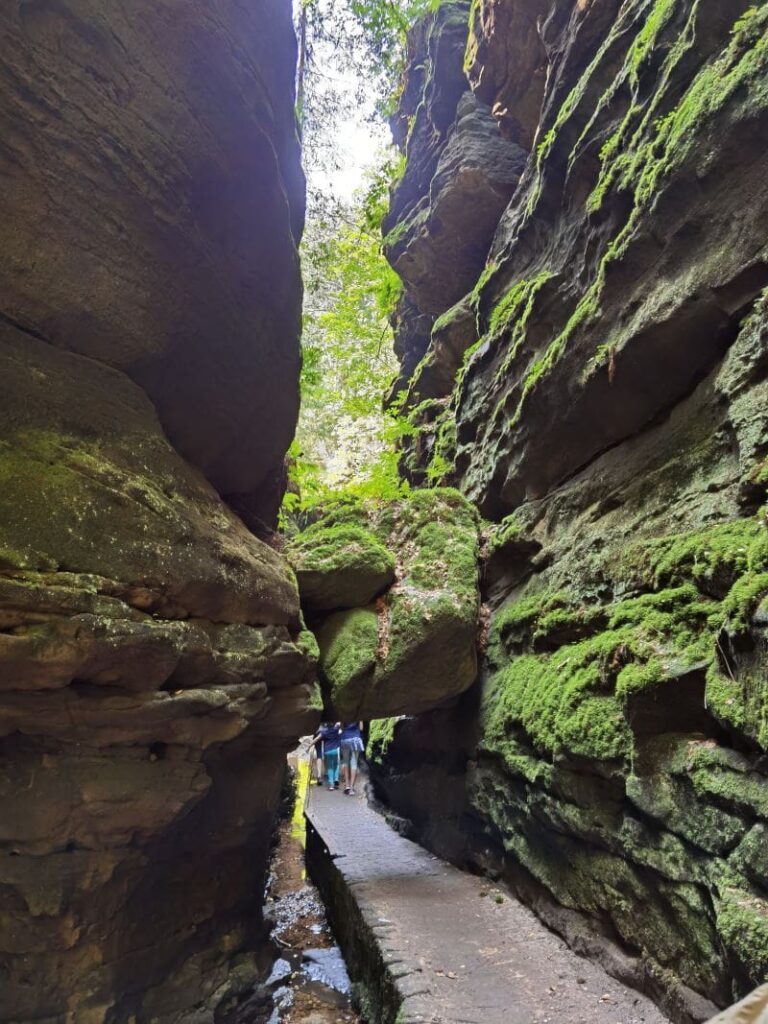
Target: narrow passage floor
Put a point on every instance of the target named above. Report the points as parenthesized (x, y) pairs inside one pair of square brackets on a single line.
[(459, 949)]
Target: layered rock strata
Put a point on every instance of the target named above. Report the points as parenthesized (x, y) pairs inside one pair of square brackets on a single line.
[(153, 663), (610, 421), (459, 175)]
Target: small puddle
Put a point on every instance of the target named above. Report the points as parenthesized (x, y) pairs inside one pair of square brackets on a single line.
[(309, 983)]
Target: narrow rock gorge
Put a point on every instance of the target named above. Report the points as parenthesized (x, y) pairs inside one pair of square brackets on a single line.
[(581, 234), (558, 629), (154, 668)]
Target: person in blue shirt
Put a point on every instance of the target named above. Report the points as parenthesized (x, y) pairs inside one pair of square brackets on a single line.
[(327, 739), (351, 747)]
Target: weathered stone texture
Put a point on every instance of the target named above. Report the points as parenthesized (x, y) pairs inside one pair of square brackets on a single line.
[(416, 646), (459, 175), (153, 663), (151, 203), (610, 421)]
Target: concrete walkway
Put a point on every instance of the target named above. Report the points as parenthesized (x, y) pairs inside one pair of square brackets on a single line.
[(450, 953)]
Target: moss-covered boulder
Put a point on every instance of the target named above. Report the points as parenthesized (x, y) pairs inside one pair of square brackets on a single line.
[(416, 647), (339, 566)]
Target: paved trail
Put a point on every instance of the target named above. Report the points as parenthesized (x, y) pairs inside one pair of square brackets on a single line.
[(456, 955)]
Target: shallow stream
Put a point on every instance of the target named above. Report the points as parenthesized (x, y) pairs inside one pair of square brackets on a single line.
[(309, 982)]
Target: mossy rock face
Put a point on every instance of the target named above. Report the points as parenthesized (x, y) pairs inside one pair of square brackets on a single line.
[(89, 484), (339, 566), (348, 642), (742, 922), (417, 647), (153, 672), (612, 422)]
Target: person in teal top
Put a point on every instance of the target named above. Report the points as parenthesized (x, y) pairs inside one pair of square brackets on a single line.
[(329, 735)]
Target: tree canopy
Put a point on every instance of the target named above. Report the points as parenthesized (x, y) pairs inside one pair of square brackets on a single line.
[(350, 65)]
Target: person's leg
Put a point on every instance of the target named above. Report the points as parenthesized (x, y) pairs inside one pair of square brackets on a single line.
[(320, 771), (331, 765), (345, 752), (352, 770)]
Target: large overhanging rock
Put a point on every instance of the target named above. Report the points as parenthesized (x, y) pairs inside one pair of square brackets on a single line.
[(507, 64), (91, 485), (153, 665), (151, 205), (414, 648), (599, 311), (440, 247)]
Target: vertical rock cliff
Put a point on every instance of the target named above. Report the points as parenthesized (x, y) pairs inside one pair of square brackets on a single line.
[(153, 667), (590, 370)]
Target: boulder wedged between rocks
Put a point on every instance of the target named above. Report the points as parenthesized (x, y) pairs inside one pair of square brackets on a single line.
[(416, 645)]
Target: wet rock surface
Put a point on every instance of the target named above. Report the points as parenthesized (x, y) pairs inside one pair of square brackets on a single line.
[(308, 983)]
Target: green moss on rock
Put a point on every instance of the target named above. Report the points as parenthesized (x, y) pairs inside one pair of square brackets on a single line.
[(564, 702), (418, 648), (380, 736), (339, 566), (348, 642), (742, 923)]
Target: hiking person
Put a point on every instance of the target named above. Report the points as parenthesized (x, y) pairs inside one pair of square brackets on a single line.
[(351, 747), (331, 739), (317, 756)]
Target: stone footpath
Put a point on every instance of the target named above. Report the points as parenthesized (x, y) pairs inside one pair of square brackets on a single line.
[(426, 942)]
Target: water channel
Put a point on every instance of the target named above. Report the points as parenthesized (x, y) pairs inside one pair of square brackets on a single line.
[(309, 983)]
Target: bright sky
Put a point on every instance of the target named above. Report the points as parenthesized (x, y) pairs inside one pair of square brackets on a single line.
[(358, 142), (356, 137)]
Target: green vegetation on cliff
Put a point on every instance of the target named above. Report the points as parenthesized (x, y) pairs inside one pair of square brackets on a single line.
[(580, 665)]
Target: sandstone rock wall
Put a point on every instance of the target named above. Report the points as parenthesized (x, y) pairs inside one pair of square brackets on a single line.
[(609, 420), (153, 663), (151, 206)]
